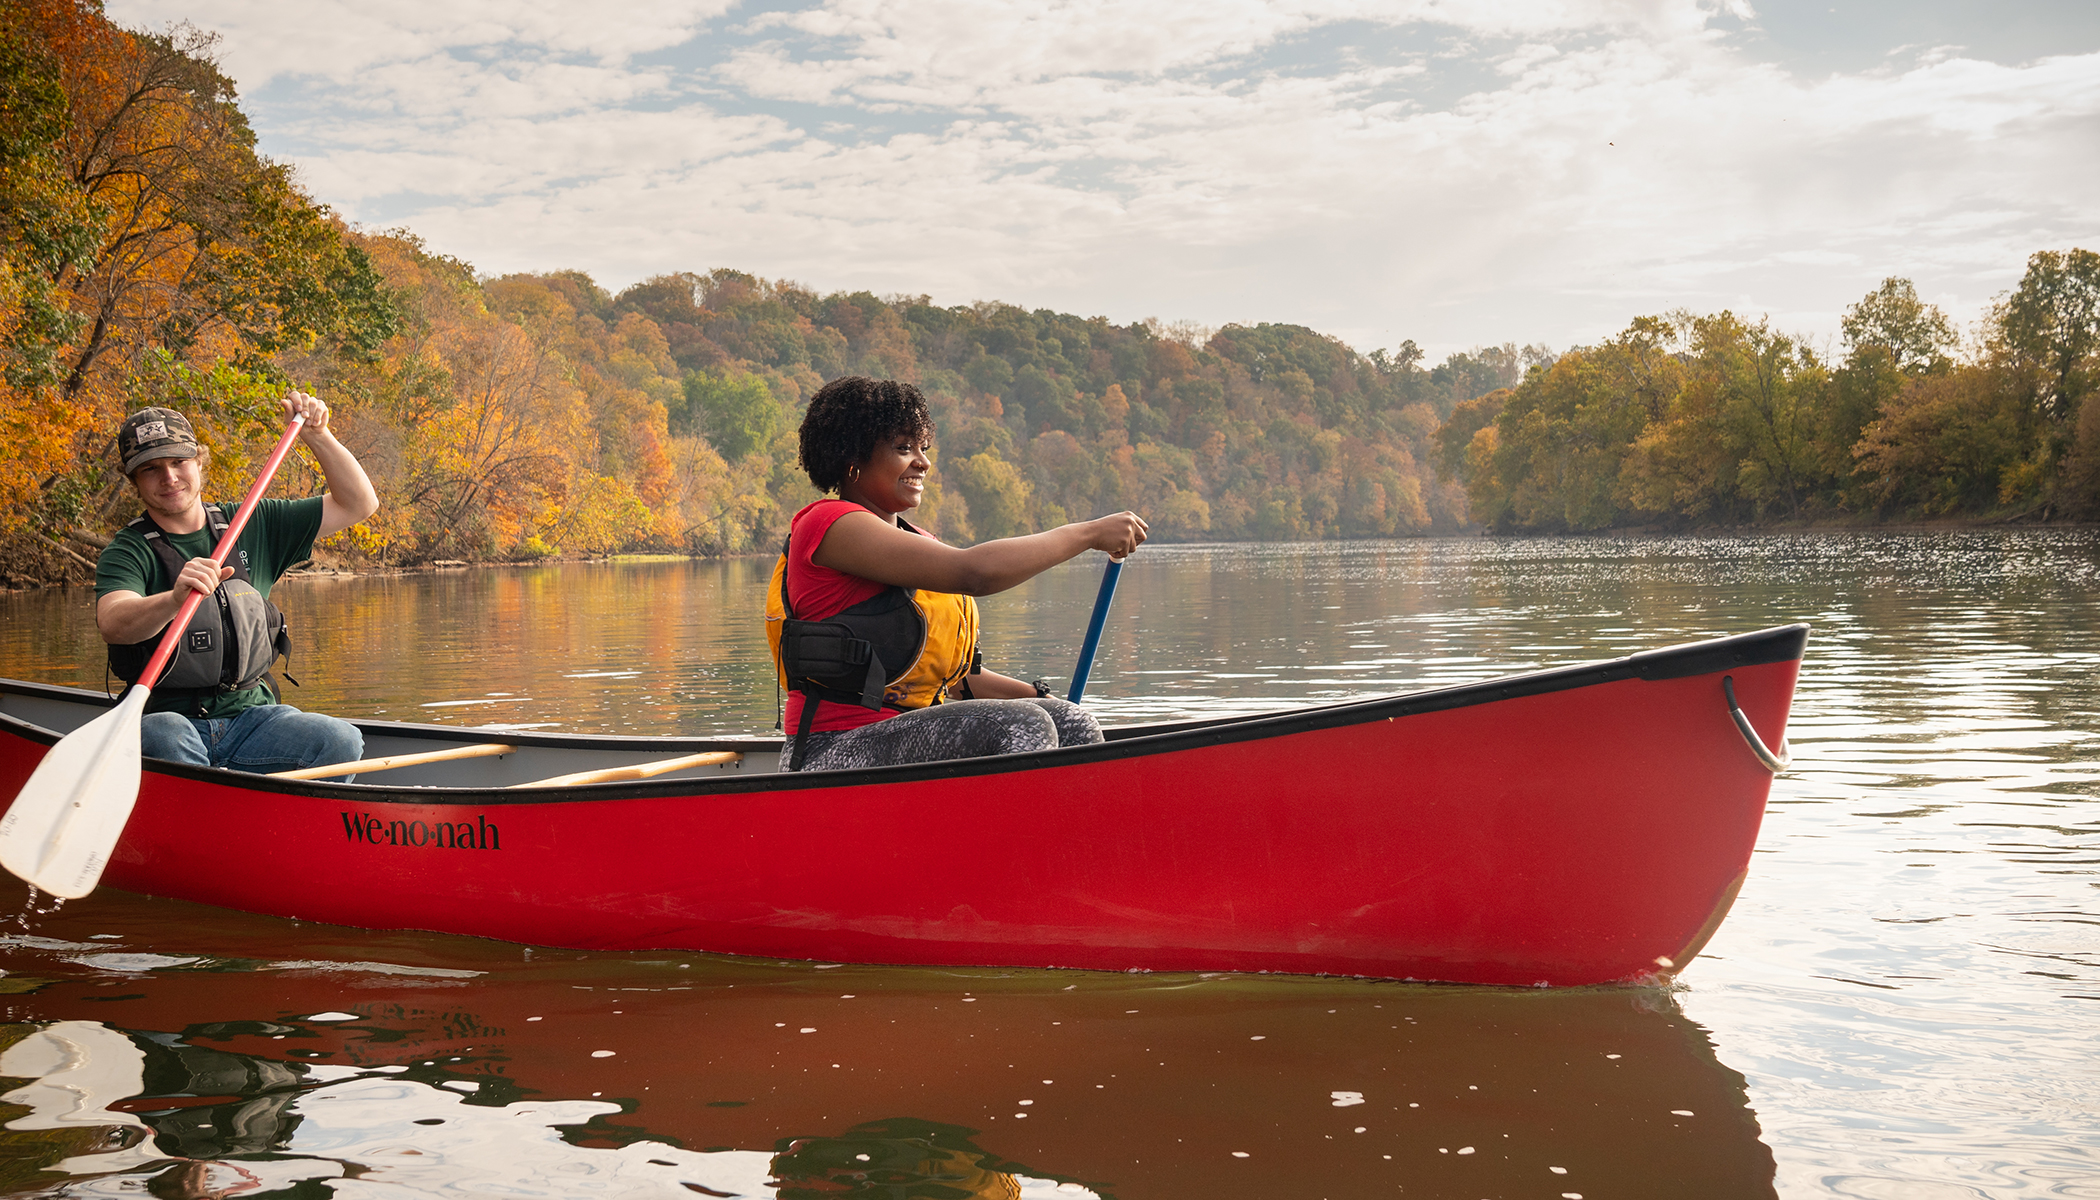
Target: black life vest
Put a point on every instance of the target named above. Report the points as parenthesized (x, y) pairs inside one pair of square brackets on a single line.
[(900, 649), (228, 645)]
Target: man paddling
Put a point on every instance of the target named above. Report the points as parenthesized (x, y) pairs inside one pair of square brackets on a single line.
[(216, 706)]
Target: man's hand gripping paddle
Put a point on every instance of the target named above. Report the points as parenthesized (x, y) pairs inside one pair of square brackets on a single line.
[(66, 820)]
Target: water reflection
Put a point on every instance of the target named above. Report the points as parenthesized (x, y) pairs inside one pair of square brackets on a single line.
[(1908, 978), (678, 648), (905, 1160), (262, 1057)]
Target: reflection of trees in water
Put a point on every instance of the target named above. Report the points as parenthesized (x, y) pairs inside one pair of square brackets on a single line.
[(206, 1108), (897, 1159), (229, 1121), (1333, 1088)]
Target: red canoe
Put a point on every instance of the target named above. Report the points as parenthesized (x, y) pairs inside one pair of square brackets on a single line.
[(1581, 825)]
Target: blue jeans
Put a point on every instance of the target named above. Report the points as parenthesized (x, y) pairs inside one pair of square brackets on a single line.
[(268, 737)]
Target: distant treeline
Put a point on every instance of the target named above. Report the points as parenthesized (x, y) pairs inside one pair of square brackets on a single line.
[(1686, 420), (149, 255)]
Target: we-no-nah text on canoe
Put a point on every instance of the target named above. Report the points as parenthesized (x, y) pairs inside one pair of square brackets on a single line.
[(477, 834)]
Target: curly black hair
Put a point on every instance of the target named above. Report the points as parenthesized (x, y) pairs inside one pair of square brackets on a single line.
[(849, 416)]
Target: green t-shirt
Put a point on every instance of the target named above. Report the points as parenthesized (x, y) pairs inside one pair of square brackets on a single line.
[(279, 534)]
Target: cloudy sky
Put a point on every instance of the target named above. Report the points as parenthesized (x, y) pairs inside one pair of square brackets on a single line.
[(1456, 173)]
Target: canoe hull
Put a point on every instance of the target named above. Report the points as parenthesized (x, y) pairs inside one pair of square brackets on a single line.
[(1584, 830)]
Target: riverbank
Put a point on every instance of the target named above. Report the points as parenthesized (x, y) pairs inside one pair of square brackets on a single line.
[(325, 565), (330, 565)]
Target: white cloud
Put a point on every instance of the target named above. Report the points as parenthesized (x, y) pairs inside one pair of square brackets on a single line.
[(959, 52), (339, 39), (1452, 173)]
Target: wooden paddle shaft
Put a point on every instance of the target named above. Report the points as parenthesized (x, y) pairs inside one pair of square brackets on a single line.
[(366, 766), (647, 770)]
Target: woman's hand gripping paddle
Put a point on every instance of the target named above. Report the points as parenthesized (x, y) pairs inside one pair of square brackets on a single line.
[(1093, 629), (66, 820)]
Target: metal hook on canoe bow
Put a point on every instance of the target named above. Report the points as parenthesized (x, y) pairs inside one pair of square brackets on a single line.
[(1775, 763)]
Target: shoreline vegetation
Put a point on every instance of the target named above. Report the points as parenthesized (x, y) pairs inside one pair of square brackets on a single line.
[(343, 567), (148, 255)]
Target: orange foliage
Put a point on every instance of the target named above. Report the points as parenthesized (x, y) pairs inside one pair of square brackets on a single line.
[(184, 257)]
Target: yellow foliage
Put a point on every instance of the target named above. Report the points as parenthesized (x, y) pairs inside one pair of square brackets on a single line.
[(603, 517)]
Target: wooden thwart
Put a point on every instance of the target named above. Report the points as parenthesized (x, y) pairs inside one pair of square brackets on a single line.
[(368, 765), (647, 770)]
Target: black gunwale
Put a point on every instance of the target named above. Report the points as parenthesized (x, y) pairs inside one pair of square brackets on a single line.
[(1782, 643)]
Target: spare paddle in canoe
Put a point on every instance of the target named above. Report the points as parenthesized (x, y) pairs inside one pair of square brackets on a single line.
[(647, 770), (365, 766)]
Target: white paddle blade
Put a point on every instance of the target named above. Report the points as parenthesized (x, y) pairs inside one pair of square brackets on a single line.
[(64, 823)]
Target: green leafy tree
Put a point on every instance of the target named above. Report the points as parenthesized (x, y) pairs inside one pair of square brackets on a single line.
[(737, 412), (1454, 437), (2051, 324), (1915, 338), (1735, 438), (1776, 386), (990, 373), (2048, 342), (1891, 338)]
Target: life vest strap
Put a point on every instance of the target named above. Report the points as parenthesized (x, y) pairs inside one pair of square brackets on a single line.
[(812, 650), (809, 717)]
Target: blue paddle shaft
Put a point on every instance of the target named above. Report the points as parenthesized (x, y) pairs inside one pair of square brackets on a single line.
[(1093, 629)]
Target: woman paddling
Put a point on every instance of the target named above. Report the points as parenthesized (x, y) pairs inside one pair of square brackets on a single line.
[(872, 620)]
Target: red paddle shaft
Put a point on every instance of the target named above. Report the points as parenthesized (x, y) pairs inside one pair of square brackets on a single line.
[(219, 554)]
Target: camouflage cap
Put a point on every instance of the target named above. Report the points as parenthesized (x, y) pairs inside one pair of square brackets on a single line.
[(152, 433)]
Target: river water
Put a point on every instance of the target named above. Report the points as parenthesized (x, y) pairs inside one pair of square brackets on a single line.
[(1905, 1001)]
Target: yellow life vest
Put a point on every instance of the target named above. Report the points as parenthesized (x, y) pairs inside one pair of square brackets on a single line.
[(901, 648)]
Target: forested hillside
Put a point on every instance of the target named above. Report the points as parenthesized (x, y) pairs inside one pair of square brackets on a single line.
[(678, 400), (148, 255)]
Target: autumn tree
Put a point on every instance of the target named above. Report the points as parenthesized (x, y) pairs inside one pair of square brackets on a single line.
[(2051, 325), (1891, 338), (204, 246), (2047, 336), (46, 226), (1946, 443), (148, 254), (46, 230), (142, 228), (999, 498), (1564, 434)]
